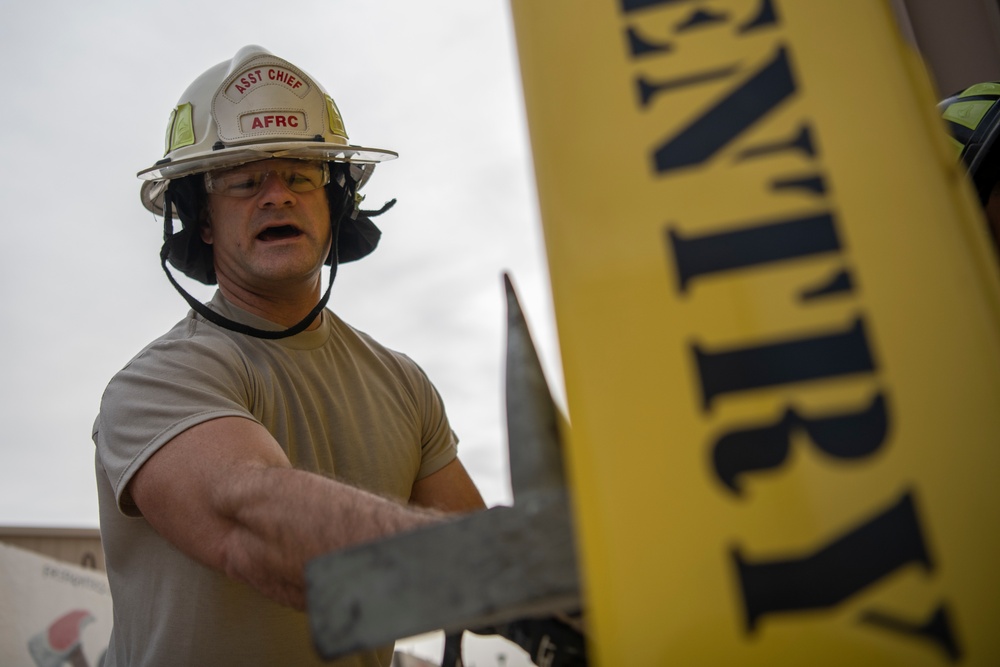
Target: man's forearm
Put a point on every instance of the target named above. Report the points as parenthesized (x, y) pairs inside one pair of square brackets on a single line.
[(281, 518)]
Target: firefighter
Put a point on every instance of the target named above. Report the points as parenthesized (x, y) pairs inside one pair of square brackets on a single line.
[(262, 430)]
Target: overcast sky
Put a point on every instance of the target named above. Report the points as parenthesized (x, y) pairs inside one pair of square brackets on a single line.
[(87, 91)]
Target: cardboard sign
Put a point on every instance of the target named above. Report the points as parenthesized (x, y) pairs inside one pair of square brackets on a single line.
[(51, 613)]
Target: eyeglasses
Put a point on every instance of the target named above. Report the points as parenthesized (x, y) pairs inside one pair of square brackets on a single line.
[(247, 180)]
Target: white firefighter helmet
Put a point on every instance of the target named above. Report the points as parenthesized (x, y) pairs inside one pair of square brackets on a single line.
[(253, 107)]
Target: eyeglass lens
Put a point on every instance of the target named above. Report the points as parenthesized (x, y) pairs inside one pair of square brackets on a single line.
[(247, 181)]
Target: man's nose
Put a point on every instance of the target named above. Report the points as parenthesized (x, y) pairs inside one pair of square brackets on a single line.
[(274, 191)]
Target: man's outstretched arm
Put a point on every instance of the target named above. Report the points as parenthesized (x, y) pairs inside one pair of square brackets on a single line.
[(225, 494)]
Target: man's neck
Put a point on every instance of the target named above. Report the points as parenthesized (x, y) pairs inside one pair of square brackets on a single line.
[(286, 308)]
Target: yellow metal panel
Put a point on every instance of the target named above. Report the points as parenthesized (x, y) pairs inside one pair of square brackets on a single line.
[(778, 315)]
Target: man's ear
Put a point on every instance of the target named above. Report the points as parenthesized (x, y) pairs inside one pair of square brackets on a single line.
[(205, 227)]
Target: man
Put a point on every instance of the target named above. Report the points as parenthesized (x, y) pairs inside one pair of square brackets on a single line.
[(262, 430)]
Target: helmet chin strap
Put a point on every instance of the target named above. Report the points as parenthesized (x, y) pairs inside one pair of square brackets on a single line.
[(223, 321)]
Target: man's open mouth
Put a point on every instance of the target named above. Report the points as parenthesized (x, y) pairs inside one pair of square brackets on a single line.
[(278, 233)]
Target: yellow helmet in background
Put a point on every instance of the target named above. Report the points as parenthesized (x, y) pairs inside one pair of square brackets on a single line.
[(253, 107), (973, 120)]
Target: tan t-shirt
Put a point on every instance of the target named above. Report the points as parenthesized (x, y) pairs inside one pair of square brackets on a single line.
[(338, 403)]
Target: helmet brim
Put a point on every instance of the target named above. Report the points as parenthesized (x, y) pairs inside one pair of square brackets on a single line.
[(159, 175)]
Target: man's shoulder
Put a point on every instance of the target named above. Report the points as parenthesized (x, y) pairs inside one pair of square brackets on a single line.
[(190, 360), (190, 343), (353, 336), (401, 365)]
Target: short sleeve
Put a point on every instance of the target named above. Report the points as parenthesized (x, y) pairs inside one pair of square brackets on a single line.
[(439, 444), (169, 387)]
